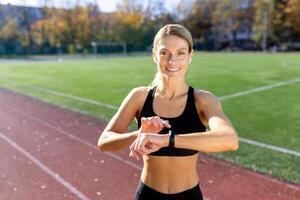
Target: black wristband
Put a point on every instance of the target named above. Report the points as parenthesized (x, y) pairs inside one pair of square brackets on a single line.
[(172, 139)]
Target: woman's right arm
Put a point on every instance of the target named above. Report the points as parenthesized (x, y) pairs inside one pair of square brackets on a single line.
[(114, 136)]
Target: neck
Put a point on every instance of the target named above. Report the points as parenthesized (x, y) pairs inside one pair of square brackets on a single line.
[(172, 88)]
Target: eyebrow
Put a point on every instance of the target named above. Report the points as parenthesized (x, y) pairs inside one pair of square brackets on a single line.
[(176, 50)]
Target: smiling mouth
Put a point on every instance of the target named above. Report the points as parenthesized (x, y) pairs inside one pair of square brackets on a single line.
[(173, 69)]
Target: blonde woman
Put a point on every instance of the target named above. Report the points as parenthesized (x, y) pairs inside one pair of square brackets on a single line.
[(172, 119)]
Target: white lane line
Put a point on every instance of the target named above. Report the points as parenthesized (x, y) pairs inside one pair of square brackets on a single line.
[(43, 167), (76, 138), (259, 89), (131, 163), (269, 146), (245, 140), (61, 94), (113, 107), (290, 64)]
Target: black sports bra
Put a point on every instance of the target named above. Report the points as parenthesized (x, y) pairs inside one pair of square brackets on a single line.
[(187, 122)]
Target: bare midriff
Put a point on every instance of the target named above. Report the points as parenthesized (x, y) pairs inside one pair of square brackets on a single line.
[(170, 174)]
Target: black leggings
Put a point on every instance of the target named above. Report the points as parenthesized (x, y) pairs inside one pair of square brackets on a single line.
[(144, 192)]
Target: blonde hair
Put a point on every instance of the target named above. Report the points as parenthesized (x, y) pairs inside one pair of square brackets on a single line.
[(167, 30)]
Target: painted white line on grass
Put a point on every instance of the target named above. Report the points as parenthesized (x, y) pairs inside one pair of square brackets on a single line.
[(43, 167), (245, 140), (290, 64), (76, 138), (61, 94), (113, 107), (259, 89), (269, 146)]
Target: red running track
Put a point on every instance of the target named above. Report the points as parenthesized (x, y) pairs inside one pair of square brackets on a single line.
[(48, 152)]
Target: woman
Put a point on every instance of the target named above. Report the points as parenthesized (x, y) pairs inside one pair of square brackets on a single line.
[(172, 119)]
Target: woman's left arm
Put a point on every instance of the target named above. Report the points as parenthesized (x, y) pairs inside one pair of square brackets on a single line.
[(221, 136)]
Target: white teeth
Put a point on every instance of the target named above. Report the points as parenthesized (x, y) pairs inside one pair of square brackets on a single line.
[(173, 69)]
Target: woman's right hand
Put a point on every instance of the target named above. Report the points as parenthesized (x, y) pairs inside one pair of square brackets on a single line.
[(153, 124), (149, 126), (148, 140)]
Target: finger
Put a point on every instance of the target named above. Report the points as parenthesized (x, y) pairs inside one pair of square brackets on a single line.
[(134, 154), (142, 152), (144, 120), (130, 154), (137, 155), (156, 117), (151, 148), (160, 123), (155, 123), (166, 124), (141, 143), (150, 118), (136, 142), (148, 121), (156, 120), (131, 147)]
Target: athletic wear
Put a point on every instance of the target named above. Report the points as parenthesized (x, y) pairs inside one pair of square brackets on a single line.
[(144, 192), (187, 122)]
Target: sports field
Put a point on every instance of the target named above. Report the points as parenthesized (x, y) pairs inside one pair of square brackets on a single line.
[(260, 93)]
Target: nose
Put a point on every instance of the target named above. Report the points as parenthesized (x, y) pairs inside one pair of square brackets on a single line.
[(171, 59)]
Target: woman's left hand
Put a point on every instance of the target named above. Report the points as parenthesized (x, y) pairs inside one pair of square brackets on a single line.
[(146, 143)]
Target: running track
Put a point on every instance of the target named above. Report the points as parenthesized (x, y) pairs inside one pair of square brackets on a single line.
[(48, 152)]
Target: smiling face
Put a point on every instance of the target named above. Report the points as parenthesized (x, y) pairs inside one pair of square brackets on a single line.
[(172, 57)]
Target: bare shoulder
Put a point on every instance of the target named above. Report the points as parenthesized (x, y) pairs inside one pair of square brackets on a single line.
[(205, 97), (141, 89), (137, 96), (139, 92)]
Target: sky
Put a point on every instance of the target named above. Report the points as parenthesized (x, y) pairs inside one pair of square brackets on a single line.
[(105, 5)]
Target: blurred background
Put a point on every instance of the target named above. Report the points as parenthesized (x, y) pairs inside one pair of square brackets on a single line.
[(44, 27)]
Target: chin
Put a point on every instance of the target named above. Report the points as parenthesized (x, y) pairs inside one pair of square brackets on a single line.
[(173, 76)]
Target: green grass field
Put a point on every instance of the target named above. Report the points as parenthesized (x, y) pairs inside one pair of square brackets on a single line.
[(271, 116)]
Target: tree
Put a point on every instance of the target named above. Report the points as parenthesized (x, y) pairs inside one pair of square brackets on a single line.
[(198, 19), (54, 25), (263, 26), (129, 6), (82, 25), (228, 17), (9, 35), (292, 11)]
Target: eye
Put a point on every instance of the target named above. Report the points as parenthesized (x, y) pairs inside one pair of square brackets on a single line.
[(163, 53)]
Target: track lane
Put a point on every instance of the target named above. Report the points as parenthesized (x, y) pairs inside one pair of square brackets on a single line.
[(232, 182)]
